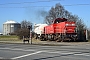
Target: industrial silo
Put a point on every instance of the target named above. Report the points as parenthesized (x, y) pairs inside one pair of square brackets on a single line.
[(10, 27)]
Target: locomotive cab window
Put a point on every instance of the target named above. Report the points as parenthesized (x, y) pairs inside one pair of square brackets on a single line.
[(59, 20)]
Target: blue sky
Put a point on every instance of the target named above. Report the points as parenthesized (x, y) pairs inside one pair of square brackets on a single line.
[(19, 10)]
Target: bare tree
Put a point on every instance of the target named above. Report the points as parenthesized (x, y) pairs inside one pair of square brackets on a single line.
[(24, 31), (25, 24), (55, 12), (59, 12)]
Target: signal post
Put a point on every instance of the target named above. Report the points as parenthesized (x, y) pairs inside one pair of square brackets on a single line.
[(30, 31)]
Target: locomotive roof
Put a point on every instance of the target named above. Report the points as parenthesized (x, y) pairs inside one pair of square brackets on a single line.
[(61, 19), (58, 20)]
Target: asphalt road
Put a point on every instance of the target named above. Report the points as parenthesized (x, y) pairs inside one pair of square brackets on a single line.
[(38, 52)]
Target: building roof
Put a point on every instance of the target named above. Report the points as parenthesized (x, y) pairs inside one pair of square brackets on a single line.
[(10, 22)]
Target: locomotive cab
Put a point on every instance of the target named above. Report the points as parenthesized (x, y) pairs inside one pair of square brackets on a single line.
[(58, 20), (65, 30)]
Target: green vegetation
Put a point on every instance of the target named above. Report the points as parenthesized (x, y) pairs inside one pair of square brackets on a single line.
[(89, 40), (15, 39), (9, 38)]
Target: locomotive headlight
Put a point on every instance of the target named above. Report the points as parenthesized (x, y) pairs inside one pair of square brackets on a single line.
[(67, 24), (73, 24)]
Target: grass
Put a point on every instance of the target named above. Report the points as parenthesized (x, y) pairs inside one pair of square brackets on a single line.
[(9, 38), (89, 40), (14, 38)]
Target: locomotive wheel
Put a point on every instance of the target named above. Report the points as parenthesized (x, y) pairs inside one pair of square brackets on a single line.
[(36, 36), (43, 38), (62, 37), (58, 38)]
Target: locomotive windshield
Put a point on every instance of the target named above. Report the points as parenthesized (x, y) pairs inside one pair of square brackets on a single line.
[(60, 20)]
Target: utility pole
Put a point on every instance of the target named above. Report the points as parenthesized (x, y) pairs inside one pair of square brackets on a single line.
[(86, 34), (30, 31)]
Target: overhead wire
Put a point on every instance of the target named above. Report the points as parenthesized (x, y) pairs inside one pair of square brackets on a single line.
[(77, 5), (50, 6), (31, 2), (41, 6)]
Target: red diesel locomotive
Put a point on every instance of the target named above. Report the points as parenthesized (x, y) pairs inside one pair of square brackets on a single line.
[(60, 30)]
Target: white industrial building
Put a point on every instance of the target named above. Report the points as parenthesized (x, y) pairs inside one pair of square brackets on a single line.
[(10, 27)]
